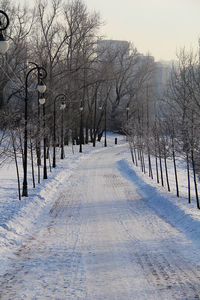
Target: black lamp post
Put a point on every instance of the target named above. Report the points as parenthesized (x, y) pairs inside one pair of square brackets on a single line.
[(105, 121), (41, 88), (127, 113), (81, 127), (4, 22), (94, 126), (62, 107), (42, 102), (105, 140)]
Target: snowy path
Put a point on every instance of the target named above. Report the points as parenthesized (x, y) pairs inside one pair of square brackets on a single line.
[(102, 241)]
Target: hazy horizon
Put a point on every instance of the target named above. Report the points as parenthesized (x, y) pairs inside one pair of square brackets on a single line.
[(158, 27)]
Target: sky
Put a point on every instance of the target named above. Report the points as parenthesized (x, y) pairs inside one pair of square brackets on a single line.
[(158, 27)]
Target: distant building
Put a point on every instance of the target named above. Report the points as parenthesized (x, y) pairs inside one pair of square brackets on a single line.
[(110, 48), (160, 82), (116, 55)]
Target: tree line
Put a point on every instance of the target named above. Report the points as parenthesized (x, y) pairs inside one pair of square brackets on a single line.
[(98, 82), (172, 130)]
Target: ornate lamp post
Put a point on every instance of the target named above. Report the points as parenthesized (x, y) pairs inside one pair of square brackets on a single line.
[(127, 113), (105, 121), (94, 126), (105, 140), (42, 102), (62, 107), (81, 127), (41, 88), (4, 22)]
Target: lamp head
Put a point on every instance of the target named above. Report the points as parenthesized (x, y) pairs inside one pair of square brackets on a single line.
[(63, 105), (41, 87), (4, 45), (42, 101)]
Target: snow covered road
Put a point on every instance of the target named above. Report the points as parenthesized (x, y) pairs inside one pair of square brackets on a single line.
[(101, 240)]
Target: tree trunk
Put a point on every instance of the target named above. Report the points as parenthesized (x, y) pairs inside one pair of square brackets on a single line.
[(166, 171), (160, 159), (150, 166), (175, 170), (32, 165), (143, 162), (38, 173), (157, 173), (135, 157), (49, 160), (17, 168), (66, 139), (86, 133), (188, 176), (195, 180), (131, 149), (149, 156), (140, 158)]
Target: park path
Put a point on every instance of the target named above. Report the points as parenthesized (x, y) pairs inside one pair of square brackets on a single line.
[(101, 240)]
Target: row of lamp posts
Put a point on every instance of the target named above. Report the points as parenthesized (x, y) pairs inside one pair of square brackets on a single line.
[(62, 98), (81, 126), (4, 45), (41, 87)]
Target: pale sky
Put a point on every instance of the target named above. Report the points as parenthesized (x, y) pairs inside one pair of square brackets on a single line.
[(160, 27)]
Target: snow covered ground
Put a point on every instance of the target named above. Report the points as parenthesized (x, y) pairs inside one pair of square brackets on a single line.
[(98, 229)]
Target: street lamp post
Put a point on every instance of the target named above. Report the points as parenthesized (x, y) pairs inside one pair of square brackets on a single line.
[(127, 113), (81, 127), (105, 121), (38, 143), (105, 140), (4, 22), (4, 44), (94, 126), (63, 105), (44, 140), (41, 88)]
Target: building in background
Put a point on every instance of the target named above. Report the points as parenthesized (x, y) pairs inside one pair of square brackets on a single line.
[(108, 48), (139, 78), (160, 82)]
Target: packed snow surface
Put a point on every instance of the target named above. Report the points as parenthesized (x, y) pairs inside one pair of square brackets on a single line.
[(100, 230)]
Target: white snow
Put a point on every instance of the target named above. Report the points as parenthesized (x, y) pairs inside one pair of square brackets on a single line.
[(98, 228)]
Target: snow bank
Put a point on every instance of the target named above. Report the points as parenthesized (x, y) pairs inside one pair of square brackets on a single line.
[(164, 203)]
